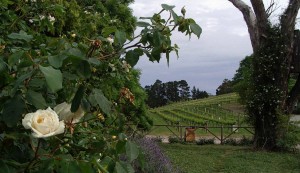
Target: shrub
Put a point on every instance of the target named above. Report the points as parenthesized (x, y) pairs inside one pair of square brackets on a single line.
[(156, 161), (239, 142), (246, 141), (75, 56), (290, 140), (175, 139), (231, 141), (205, 141)]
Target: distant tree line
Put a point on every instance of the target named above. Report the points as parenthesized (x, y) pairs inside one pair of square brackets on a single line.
[(160, 94)]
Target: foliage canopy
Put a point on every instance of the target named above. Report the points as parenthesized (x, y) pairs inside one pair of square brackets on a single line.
[(81, 53)]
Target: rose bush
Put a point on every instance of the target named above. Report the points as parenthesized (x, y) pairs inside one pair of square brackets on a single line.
[(43, 123), (54, 51)]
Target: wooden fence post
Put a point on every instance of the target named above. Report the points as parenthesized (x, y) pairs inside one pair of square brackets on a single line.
[(221, 134)]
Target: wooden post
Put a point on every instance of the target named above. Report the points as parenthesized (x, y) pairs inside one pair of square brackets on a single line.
[(221, 134), (181, 133)]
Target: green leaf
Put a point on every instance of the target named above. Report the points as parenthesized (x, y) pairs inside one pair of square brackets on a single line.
[(37, 83), (5, 168), (53, 78), (175, 16), (108, 30), (196, 29), (133, 56), (36, 99), (176, 50), (15, 57), (147, 53), (70, 76), (5, 3), (119, 168), (21, 36), (46, 165), (167, 7), (168, 57), (157, 38), (120, 37), (56, 60), (86, 167), (3, 65), (132, 151), (25, 63), (97, 98), (20, 80), (65, 166), (120, 147), (76, 53), (130, 169), (84, 69), (94, 61), (77, 99), (107, 164), (155, 54), (142, 24), (12, 110)]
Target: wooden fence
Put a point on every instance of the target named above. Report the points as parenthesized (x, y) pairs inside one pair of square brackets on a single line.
[(221, 136)]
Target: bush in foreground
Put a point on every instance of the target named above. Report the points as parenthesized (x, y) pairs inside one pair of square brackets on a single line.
[(154, 157)]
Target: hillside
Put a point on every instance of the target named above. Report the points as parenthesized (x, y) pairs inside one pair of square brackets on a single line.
[(214, 111), (223, 109)]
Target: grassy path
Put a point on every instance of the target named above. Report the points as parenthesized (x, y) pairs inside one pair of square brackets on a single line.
[(230, 159)]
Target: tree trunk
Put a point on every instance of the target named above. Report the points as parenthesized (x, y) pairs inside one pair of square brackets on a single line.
[(270, 102)]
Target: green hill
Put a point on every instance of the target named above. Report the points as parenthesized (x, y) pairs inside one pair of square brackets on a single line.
[(214, 111)]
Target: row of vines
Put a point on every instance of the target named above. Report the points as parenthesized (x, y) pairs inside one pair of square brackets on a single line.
[(202, 112)]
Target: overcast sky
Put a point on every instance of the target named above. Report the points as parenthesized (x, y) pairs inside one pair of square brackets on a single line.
[(203, 62)]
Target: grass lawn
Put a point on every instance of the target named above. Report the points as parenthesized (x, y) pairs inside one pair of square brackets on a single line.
[(230, 159)]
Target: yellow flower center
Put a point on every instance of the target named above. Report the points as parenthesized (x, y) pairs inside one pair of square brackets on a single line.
[(40, 120)]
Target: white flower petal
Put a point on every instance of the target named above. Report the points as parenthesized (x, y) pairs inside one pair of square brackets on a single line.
[(27, 120), (43, 123), (64, 112)]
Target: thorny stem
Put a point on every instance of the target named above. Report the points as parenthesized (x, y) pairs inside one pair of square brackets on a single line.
[(135, 45), (35, 156), (133, 39), (106, 56)]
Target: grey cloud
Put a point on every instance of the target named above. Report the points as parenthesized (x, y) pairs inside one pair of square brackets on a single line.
[(206, 62)]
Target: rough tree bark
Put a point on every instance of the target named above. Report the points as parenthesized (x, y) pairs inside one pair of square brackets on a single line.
[(267, 118)]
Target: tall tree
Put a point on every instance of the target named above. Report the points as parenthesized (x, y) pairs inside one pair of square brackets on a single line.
[(184, 90), (225, 87), (159, 94), (270, 101), (242, 78), (201, 94)]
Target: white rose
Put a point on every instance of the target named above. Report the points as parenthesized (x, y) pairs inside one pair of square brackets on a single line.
[(110, 39), (43, 123), (64, 112), (51, 19), (126, 66)]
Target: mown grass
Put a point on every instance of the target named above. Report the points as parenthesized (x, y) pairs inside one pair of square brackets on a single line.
[(230, 159)]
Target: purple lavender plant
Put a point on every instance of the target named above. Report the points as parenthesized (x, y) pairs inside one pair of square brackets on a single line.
[(157, 161)]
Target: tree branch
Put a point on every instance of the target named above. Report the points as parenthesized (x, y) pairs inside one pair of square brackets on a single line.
[(288, 18), (251, 21), (293, 96), (261, 15)]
